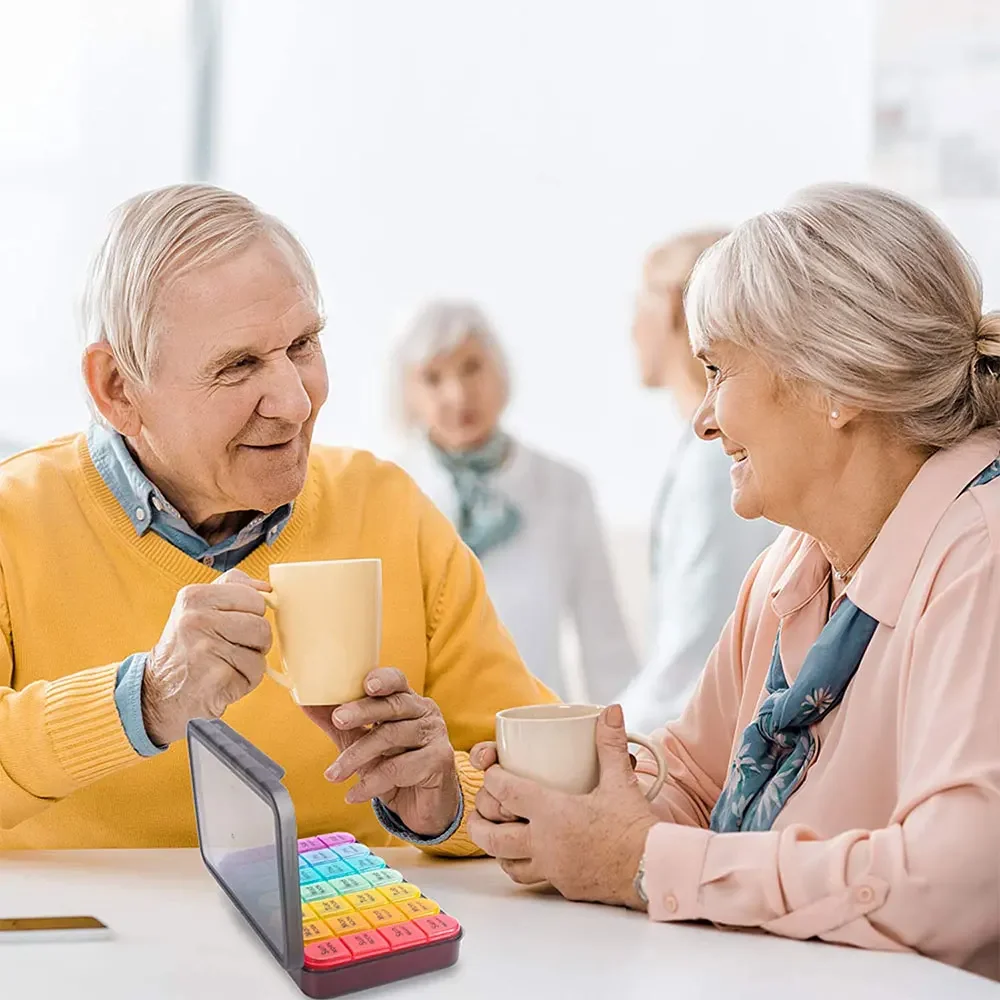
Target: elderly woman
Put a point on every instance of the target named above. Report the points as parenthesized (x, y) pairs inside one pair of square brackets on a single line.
[(530, 519), (837, 773)]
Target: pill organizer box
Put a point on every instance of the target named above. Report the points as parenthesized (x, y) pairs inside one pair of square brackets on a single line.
[(331, 911)]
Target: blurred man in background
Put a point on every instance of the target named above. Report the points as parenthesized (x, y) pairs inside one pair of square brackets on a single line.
[(700, 549)]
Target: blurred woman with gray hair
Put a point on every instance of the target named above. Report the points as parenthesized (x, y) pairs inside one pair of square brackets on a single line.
[(837, 772), (529, 518)]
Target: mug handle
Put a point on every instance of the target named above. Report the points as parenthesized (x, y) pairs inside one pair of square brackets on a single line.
[(661, 763), (280, 676)]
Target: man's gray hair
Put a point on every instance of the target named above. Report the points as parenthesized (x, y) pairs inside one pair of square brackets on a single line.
[(152, 240)]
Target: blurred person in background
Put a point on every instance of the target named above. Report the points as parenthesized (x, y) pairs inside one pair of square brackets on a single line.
[(700, 548), (529, 518), (837, 772)]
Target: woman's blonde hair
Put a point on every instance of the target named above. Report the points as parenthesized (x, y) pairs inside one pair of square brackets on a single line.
[(151, 241), (865, 294)]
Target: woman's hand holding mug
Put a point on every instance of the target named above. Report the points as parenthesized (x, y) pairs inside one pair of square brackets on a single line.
[(586, 844)]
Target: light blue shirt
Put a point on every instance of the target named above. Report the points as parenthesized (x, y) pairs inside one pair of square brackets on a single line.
[(149, 510), (701, 552)]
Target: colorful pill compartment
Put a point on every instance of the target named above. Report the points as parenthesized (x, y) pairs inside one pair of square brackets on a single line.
[(330, 910)]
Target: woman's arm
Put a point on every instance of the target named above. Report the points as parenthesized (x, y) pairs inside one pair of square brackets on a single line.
[(930, 879), (607, 654)]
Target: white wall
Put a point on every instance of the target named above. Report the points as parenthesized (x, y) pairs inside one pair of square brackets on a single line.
[(94, 108), (526, 153)]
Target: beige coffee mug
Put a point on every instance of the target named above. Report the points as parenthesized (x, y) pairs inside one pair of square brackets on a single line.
[(556, 745), (329, 618)]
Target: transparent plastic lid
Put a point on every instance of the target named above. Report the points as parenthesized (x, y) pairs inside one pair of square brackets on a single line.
[(247, 833)]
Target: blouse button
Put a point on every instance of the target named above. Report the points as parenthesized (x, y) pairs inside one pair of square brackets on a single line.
[(865, 894), (671, 904), (140, 514)]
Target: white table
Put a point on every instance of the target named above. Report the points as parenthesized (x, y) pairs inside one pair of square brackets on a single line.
[(176, 935)]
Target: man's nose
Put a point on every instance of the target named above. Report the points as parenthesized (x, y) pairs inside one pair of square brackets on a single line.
[(285, 397)]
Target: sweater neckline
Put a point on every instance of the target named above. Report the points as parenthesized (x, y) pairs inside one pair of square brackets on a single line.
[(182, 568)]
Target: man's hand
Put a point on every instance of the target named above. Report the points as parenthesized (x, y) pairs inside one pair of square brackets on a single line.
[(405, 758), (211, 653)]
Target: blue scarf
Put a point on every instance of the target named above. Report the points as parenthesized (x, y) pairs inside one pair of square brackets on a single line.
[(486, 517), (778, 747)]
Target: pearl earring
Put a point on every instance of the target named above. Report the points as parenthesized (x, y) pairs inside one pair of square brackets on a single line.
[(835, 414)]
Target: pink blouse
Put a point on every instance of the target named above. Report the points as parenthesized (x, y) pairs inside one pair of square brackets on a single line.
[(892, 841)]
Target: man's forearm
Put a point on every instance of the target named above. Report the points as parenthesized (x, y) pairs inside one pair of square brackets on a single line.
[(57, 736)]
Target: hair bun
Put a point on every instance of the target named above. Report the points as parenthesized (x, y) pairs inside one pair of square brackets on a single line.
[(988, 335), (987, 361)]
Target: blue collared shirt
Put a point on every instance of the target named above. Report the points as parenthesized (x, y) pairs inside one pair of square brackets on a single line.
[(149, 510)]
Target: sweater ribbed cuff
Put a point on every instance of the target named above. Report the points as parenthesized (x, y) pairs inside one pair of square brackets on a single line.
[(459, 844), (83, 725)]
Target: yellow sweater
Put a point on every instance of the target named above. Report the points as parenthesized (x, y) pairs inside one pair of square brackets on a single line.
[(80, 591)]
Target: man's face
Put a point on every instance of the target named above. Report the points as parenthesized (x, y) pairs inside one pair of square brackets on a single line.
[(238, 377)]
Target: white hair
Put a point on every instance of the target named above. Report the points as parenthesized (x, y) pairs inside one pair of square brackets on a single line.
[(433, 328), (868, 296), (152, 240)]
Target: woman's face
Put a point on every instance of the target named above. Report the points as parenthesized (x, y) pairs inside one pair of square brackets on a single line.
[(779, 440), (458, 396)]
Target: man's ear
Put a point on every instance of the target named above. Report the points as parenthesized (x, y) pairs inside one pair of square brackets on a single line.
[(109, 390)]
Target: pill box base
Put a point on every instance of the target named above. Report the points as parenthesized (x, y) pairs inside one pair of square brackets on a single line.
[(377, 971)]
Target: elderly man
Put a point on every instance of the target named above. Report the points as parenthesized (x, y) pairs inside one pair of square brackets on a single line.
[(132, 559)]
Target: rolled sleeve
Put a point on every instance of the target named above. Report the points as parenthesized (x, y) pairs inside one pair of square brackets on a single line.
[(128, 701)]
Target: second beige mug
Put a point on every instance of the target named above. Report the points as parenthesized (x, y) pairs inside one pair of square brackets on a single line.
[(329, 618), (556, 745)]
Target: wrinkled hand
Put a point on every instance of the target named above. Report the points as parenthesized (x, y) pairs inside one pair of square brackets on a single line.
[(397, 743), (587, 846), (211, 653)]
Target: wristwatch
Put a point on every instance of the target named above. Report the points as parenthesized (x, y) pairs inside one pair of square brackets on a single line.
[(639, 882)]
